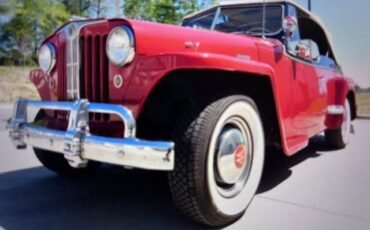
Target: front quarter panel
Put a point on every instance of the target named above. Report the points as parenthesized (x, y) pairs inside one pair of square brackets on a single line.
[(151, 69), (42, 83)]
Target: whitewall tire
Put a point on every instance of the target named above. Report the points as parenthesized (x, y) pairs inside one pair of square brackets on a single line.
[(219, 160)]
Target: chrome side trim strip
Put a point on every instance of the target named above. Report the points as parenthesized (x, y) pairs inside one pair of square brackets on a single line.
[(335, 109), (79, 146)]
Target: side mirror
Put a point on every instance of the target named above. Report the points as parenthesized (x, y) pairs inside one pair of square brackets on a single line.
[(308, 50), (289, 24)]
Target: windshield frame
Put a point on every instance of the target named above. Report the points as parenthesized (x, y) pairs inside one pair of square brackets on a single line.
[(217, 11)]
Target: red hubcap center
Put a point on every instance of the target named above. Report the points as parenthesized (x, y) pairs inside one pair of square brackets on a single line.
[(240, 156)]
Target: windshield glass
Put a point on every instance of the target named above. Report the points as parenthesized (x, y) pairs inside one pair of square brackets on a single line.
[(203, 22), (241, 19)]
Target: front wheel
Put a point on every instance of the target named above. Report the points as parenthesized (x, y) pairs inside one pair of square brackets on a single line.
[(58, 164), (219, 160), (339, 138)]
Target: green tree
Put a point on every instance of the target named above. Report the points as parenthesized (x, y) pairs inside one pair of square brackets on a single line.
[(32, 20), (3, 9), (137, 9), (165, 11), (99, 8), (77, 7), (6, 7)]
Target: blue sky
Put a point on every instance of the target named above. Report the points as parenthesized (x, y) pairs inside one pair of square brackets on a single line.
[(348, 23)]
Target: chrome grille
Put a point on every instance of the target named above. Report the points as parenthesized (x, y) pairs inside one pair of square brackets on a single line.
[(61, 68), (73, 58), (94, 70), (73, 63)]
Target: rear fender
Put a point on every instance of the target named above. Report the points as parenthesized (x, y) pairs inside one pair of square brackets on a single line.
[(338, 90)]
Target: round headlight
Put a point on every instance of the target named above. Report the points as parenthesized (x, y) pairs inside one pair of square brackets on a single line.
[(121, 46), (47, 57)]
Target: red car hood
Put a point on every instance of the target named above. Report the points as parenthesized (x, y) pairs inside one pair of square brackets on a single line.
[(155, 38)]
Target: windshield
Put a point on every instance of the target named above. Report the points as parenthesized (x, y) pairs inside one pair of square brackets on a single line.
[(241, 19)]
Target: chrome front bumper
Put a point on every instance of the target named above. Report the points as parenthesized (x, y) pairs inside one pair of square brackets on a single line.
[(79, 146)]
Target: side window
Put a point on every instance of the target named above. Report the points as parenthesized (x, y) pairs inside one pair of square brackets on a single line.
[(309, 41), (314, 40)]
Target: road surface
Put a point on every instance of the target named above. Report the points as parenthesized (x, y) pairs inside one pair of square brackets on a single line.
[(317, 189)]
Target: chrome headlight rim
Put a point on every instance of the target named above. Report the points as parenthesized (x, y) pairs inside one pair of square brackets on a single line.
[(53, 57), (131, 46)]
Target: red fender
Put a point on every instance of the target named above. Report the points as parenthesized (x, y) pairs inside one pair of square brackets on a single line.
[(338, 89)]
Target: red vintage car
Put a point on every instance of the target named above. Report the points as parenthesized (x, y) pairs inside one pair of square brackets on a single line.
[(202, 100)]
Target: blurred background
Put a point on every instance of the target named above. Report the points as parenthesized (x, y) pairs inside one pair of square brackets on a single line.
[(25, 23)]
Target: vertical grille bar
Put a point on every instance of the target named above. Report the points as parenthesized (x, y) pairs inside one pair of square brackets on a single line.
[(88, 65), (105, 75), (82, 78), (61, 67), (73, 65), (102, 71), (61, 73), (93, 70), (98, 75)]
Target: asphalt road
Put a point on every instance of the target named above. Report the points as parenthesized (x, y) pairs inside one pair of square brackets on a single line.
[(317, 189)]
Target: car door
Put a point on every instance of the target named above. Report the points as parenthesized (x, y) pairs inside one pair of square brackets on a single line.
[(305, 93), (308, 81), (310, 97)]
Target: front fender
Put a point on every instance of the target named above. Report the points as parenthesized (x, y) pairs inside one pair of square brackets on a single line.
[(151, 69), (42, 83)]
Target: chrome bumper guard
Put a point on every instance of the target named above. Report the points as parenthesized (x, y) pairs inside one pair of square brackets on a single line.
[(79, 146)]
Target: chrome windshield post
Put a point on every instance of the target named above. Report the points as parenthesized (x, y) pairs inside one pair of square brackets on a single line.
[(217, 15)]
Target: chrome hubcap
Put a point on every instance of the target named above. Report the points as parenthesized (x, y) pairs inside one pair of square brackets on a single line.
[(233, 157)]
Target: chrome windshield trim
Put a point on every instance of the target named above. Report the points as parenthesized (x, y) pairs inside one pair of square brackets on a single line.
[(254, 5), (217, 12)]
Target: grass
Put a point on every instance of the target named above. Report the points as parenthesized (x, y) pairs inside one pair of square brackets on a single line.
[(363, 102), (14, 82)]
